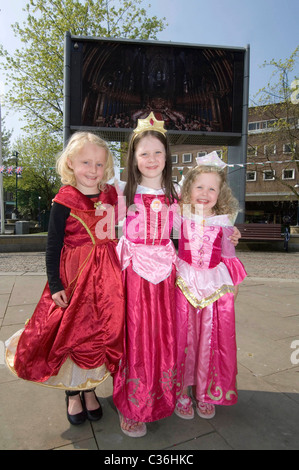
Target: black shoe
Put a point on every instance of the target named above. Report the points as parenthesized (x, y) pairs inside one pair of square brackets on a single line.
[(77, 419), (92, 415)]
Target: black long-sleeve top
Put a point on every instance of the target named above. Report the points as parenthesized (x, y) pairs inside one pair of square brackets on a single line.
[(56, 231)]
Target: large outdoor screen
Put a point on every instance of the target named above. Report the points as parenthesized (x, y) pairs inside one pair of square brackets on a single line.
[(196, 90)]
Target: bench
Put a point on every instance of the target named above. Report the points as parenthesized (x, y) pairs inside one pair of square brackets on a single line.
[(261, 232)]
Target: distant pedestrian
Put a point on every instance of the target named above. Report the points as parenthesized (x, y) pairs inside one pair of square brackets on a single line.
[(287, 237)]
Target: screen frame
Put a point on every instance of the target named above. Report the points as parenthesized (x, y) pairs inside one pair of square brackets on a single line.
[(74, 94)]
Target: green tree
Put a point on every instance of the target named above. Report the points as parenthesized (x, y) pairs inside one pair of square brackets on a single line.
[(280, 106), (38, 182), (35, 71)]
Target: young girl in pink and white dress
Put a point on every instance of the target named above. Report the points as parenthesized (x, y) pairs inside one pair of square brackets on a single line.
[(208, 273)]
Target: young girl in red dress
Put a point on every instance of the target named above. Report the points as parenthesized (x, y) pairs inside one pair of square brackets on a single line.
[(74, 339)]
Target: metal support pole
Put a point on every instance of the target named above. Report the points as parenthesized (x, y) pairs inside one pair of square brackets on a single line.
[(66, 88), (16, 154), (238, 153)]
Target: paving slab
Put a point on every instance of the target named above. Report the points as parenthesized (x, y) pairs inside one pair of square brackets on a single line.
[(265, 417)]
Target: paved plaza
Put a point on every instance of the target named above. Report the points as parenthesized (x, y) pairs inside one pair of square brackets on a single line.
[(265, 417)]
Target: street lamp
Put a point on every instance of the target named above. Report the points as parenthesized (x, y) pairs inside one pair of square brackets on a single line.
[(39, 218), (16, 154)]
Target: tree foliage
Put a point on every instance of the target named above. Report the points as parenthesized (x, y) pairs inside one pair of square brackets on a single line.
[(280, 105), (38, 182)]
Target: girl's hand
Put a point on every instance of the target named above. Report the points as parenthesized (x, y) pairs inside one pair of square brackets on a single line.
[(60, 299), (234, 238)]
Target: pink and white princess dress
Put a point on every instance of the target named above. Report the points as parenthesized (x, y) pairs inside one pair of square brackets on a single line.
[(207, 271), (149, 378)]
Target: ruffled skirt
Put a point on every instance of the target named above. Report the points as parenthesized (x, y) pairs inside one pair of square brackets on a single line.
[(78, 347), (211, 361), (206, 299)]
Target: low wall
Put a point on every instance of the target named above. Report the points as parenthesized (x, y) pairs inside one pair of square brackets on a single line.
[(23, 243), (38, 242)]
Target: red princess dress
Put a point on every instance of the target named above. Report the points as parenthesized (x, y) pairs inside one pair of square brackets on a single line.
[(78, 347), (149, 378), (207, 271)]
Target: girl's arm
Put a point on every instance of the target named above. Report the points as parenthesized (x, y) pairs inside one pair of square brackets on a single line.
[(55, 241), (228, 257), (236, 235)]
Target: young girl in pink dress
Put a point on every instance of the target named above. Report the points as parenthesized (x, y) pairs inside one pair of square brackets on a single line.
[(149, 378), (73, 341), (208, 273)]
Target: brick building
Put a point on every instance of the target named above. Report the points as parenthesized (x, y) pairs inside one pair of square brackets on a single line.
[(272, 170)]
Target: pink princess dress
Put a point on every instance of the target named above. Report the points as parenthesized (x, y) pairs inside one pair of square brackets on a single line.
[(149, 379), (207, 271)]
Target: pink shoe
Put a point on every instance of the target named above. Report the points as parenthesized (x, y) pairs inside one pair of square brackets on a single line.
[(205, 410), (184, 408), (130, 427)]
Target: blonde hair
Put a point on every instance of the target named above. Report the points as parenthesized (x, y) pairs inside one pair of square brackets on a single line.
[(74, 145), (226, 202)]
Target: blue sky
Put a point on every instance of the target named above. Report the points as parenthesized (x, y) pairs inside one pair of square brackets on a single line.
[(269, 27)]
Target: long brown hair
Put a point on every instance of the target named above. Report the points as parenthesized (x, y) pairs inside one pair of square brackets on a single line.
[(134, 175)]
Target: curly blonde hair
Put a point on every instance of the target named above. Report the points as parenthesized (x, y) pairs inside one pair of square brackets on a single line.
[(226, 203), (74, 145)]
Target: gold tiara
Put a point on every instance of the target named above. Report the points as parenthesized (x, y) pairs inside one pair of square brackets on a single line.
[(149, 124)]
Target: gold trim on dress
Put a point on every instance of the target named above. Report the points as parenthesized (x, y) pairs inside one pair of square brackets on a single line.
[(85, 226), (224, 289)]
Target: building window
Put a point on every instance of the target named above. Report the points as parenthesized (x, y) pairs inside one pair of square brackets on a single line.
[(269, 175), (187, 157), (175, 159), (201, 154), (272, 123), (287, 148), (288, 174), (252, 126), (174, 179), (252, 151), (251, 176), (269, 150), (261, 126)]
